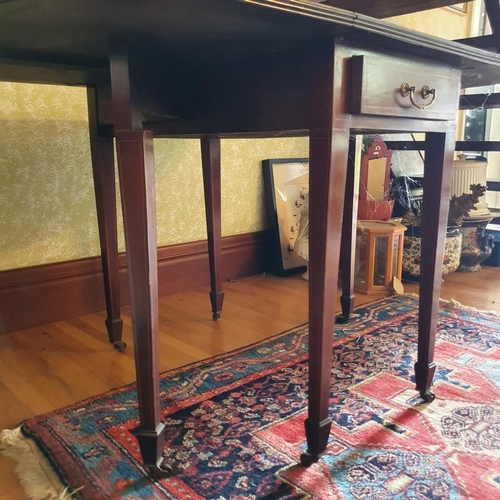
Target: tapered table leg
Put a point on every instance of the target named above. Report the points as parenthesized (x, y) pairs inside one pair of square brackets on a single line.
[(439, 148), (136, 171), (349, 220), (136, 167), (328, 153), (102, 153), (210, 156)]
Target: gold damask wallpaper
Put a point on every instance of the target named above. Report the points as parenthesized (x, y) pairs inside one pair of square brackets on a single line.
[(47, 209), (450, 23)]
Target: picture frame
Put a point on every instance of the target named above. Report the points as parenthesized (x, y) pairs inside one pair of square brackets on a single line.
[(460, 8), (285, 180)]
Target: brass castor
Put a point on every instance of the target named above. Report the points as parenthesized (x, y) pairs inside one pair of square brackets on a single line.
[(428, 396), (306, 459), (119, 345), (341, 319), (159, 472), (216, 316)]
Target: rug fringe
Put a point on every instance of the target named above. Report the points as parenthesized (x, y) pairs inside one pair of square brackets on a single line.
[(454, 304), (35, 474)]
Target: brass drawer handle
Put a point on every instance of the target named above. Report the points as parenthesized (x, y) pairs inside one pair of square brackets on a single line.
[(425, 92)]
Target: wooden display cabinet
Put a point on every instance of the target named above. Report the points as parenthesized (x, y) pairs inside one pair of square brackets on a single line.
[(379, 256)]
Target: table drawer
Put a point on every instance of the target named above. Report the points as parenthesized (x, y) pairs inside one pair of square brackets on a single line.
[(376, 88)]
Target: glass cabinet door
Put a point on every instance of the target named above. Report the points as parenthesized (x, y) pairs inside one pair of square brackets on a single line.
[(395, 256), (361, 259), (381, 247)]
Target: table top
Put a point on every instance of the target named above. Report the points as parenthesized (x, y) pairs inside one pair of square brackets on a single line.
[(66, 41)]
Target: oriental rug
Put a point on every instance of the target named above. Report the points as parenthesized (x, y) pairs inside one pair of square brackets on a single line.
[(235, 423)]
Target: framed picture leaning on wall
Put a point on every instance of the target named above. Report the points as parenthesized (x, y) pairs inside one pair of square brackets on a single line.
[(458, 7), (286, 184)]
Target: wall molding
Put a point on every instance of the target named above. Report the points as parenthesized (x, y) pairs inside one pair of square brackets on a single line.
[(37, 295)]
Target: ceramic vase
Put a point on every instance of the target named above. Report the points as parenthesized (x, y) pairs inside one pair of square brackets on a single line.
[(412, 250), (476, 246)]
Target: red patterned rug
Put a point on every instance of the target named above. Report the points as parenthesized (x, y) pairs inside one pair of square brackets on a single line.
[(235, 423)]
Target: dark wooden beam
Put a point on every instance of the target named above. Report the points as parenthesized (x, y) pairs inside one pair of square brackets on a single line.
[(486, 42), (493, 11), (477, 146), (473, 101), (459, 145), (493, 185)]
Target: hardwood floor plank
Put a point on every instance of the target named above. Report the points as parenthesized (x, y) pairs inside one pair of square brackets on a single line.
[(480, 290), (15, 410)]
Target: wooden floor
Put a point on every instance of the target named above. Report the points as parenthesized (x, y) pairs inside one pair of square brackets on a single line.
[(50, 366)]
